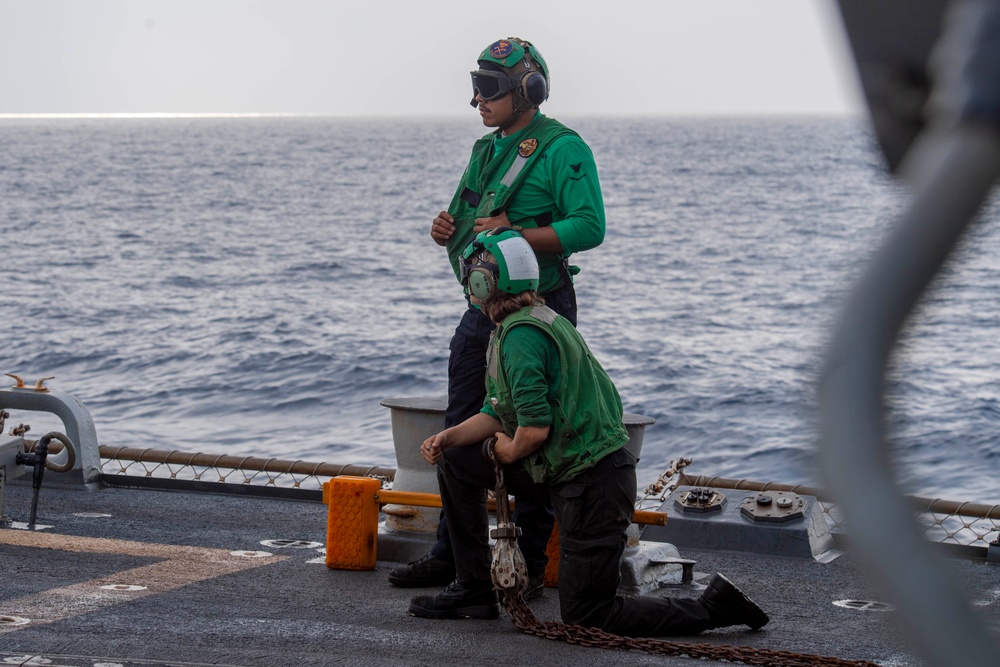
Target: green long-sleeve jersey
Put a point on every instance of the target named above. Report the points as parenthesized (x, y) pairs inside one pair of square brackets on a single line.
[(556, 185)]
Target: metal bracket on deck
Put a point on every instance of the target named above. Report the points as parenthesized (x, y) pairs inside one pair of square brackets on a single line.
[(79, 425)]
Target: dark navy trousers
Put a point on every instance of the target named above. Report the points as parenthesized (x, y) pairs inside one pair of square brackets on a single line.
[(466, 394), (594, 510)]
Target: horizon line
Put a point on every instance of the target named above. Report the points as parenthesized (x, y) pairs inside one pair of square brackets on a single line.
[(313, 114), (157, 114)]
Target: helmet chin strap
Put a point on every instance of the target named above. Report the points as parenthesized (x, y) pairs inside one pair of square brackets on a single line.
[(510, 121), (521, 105)]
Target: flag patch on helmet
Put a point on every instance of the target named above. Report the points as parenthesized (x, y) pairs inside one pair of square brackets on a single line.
[(501, 48)]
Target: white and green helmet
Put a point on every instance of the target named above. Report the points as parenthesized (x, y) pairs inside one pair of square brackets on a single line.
[(514, 269)]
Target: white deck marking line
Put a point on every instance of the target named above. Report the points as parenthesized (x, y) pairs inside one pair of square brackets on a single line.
[(181, 566)]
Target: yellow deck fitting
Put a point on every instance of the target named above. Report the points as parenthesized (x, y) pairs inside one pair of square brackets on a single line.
[(352, 522)]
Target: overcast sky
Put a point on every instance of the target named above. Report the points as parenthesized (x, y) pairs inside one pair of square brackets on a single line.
[(412, 57)]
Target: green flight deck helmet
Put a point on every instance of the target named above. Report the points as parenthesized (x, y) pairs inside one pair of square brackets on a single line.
[(511, 64), (514, 269)]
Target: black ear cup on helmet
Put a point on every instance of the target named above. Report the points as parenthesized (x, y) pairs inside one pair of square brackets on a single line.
[(482, 281), (534, 83), (534, 87)]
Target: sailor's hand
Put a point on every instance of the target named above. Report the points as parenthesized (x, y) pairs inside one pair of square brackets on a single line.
[(442, 228), (501, 220), (504, 448), (433, 448), (526, 441)]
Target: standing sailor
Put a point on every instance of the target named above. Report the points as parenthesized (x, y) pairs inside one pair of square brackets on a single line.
[(538, 176)]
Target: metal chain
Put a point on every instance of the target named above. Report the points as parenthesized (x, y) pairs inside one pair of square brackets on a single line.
[(525, 621), (665, 483)]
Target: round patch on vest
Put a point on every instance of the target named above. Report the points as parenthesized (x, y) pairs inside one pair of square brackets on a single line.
[(501, 48), (527, 147)]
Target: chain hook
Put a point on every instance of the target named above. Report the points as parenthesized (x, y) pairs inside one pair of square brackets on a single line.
[(508, 569)]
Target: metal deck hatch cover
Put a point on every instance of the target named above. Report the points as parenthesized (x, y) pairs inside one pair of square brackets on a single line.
[(700, 500), (774, 507)]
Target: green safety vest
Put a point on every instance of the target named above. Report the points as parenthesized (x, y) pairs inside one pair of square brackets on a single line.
[(491, 181), (587, 415)]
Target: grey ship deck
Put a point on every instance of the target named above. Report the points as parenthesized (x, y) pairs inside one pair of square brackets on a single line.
[(203, 605)]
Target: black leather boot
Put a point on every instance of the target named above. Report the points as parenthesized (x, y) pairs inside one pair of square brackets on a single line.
[(422, 573), (458, 600), (727, 605)]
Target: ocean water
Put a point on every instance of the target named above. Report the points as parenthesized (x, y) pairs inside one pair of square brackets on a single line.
[(257, 285)]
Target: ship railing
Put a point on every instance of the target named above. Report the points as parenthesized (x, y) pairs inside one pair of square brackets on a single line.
[(954, 523), (139, 467)]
